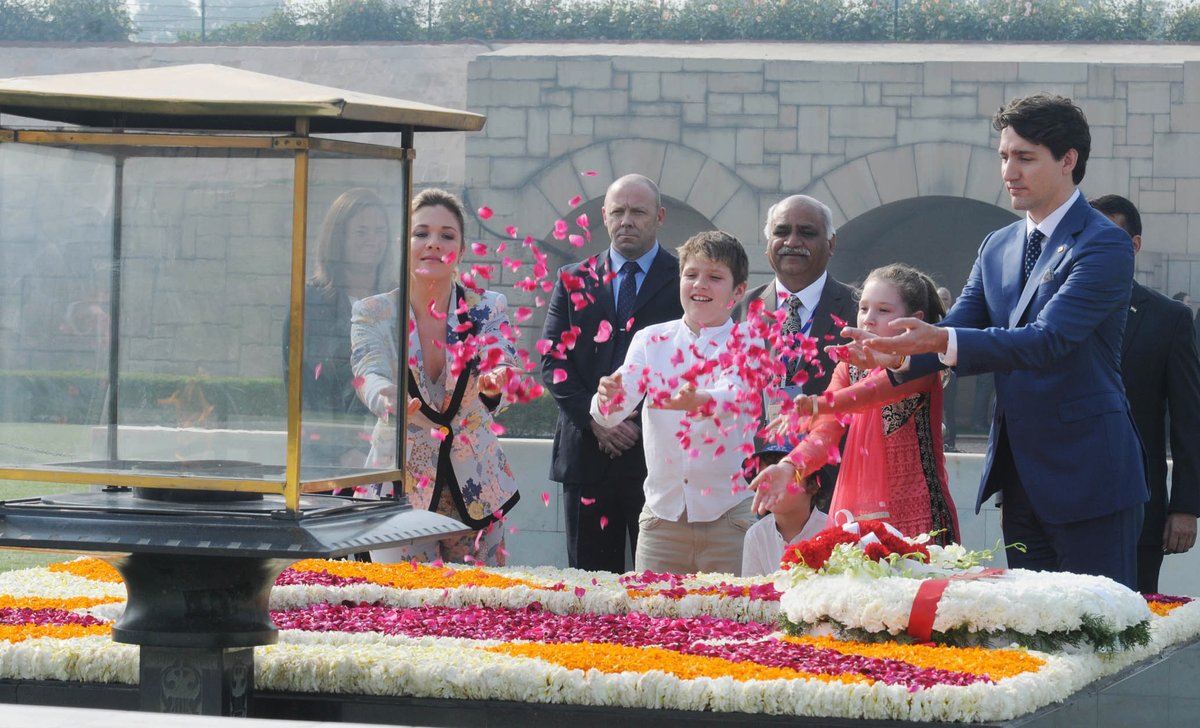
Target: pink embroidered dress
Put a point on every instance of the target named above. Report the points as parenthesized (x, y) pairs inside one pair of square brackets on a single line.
[(893, 467)]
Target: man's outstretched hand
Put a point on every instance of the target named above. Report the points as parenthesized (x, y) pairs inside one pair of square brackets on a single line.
[(913, 336)]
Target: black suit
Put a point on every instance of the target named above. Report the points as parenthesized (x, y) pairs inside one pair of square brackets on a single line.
[(839, 301), (615, 484), (1161, 370)]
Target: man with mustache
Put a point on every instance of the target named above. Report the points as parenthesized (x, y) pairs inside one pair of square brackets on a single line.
[(800, 241)]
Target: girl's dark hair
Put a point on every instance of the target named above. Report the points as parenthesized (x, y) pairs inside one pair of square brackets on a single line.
[(917, 290)]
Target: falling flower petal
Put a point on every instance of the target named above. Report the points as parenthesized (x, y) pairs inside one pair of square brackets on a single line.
[(511, 231), (479, 249), (485, 212), (317, 371), (587, 501), (545, 498), (603, 522), (582, 221), (559, 376), (577, 241), (574, 201), (589, 174), (603, 332), (560, 229)]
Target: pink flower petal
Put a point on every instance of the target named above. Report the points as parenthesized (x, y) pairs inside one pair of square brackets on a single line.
[(603, 522), (479, 249), (559, 376), (603, 332), (574, 201), (485, 212), (545, 498), (511, 231), (587, 501), (317, 371)]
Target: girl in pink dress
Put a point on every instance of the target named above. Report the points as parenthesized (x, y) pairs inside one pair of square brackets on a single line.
[(892, 466)]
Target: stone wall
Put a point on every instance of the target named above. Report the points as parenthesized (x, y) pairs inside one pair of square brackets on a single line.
[(727, 129)]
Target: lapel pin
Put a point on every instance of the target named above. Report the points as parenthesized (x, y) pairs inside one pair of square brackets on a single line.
[(1047, 277), (1061, 248), (1133, 309)]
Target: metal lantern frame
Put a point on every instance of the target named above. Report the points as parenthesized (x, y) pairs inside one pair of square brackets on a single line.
[(220, 109)]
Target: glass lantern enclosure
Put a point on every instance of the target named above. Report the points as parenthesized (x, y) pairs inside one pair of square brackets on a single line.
[(179, 273)]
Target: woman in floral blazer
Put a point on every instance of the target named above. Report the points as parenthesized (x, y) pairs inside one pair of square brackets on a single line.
[(460, 357)]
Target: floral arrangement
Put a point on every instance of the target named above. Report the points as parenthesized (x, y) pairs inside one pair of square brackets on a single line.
[(865, 581), (523, 634)]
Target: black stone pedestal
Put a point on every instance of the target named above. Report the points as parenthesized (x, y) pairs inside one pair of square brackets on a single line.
[(199, 573), (197, 619), (197, 681)]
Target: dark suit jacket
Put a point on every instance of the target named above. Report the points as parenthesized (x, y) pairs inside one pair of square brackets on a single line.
[(1161, 370), (577, 456), (837, 299), (1054, 346)]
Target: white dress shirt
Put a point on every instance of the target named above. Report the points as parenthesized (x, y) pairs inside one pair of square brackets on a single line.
[(809, 297), (765, 545), (697, 478)]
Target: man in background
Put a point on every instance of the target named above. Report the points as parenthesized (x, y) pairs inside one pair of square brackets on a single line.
[(1161, 369), (800, 241), (633, 284)]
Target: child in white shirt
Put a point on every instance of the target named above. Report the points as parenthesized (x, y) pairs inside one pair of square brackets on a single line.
[(792, 520), (699, 414)]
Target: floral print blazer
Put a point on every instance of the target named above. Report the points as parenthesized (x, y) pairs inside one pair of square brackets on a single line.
[(486, 486)]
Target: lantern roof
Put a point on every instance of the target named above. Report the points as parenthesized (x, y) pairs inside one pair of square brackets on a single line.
[(218, 98)]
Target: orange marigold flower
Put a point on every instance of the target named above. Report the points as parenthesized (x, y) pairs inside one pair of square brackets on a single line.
[(610, 658), (1162, 609), (408, 575), (91, 569), (22, 632), (10, 602), (996, 664)]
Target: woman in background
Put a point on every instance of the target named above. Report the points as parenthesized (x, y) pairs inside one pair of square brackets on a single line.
[(459, 360), (350, 253)]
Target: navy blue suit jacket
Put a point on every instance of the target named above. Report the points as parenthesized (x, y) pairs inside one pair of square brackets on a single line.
[(577, 456), (1054, 347)]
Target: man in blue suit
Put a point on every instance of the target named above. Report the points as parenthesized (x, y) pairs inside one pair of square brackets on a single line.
[(1044, 310)]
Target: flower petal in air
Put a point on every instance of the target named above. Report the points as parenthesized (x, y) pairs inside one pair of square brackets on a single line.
[(485, 212), (603, 332)]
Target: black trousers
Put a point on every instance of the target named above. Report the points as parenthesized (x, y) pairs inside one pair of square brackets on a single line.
[(602, 515)]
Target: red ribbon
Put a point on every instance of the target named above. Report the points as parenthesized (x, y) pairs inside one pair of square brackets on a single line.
[(929, 594)]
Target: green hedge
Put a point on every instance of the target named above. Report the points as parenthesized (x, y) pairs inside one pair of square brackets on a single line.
[(785, 20), (150, 399)]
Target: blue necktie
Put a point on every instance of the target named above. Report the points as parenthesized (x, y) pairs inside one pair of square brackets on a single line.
[(627, 293), (1033, 249)]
